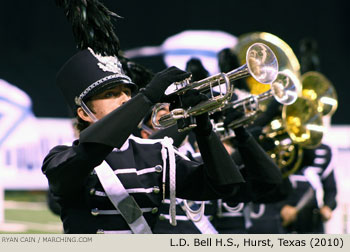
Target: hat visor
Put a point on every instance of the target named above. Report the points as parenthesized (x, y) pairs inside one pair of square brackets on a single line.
[(111, 83)]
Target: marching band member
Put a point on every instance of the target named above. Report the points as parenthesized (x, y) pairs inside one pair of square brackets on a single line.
[(109, 181), (314, 196), (261, 174), (238, 217)]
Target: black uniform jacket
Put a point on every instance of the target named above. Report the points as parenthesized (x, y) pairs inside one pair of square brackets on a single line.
[(138, 165), (263, 184), (317, 160)]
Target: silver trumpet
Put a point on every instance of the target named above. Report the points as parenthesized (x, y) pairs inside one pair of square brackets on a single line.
[(285, 89), (261, 64)]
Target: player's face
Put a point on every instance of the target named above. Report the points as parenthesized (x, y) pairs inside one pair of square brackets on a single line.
[(110, 99)]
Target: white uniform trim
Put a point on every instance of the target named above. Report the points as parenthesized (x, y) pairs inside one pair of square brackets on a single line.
[(231, 211), (197, 217), (133, 170), (100, 231), (320, 161), (328, 170), (228, 214), (312, 174), (116, 212), (296, 178), (207, 202), (168, 151), (260, 213), (118, 196), (316, 169), (177, 217), (130, 190), (234, 209), (321, 152), (140, 190)]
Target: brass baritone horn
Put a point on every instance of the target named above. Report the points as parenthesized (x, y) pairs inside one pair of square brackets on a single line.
[(318, 88), (261, 64), (284, 89), (300, 126)]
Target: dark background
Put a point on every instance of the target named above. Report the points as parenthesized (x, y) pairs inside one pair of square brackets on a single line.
[(36, 38)]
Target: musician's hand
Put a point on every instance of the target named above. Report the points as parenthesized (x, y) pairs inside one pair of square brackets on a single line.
[(231, 115), (326, 213), (154, 91), (288, 215), (190, 99)]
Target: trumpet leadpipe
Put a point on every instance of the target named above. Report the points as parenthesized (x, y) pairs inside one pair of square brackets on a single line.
[(261, 64)]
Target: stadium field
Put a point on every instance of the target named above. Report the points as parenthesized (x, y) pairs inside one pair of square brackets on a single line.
[(26, 212)]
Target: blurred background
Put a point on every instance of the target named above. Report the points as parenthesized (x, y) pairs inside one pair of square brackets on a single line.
[(36, 39)]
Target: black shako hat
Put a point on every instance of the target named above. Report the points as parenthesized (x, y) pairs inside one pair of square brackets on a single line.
[(88, 73)]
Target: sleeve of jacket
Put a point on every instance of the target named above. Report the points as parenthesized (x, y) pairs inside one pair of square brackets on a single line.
[(260, 168), (219, 165), (264, 183), (216, 176), (278, 195), (264, 178), (330, 191), (193, 182), (116, 127), (328, 178), (68, 167)]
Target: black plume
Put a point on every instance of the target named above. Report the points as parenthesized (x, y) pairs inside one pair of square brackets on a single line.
[(138, 73), (92, 25), (309, 60), (228, 61), (195, 67)]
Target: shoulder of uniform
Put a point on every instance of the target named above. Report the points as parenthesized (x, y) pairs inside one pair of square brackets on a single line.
[(145, 141)]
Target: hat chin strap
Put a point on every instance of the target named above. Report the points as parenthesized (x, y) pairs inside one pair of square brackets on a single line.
[(88, 111)]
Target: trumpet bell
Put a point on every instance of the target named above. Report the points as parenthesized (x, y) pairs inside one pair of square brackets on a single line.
[(284, 54), (303, 122), (285, 88), (318, 88), (262, 63)]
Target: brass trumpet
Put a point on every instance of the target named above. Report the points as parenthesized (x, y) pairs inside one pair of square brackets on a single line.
[(261, 64), (284, 53), (284, 89)]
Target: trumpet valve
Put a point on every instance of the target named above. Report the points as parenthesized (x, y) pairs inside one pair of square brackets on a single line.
[(182, 84)]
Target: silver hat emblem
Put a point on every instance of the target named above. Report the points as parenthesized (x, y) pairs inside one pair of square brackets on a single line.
[(108, 63)]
